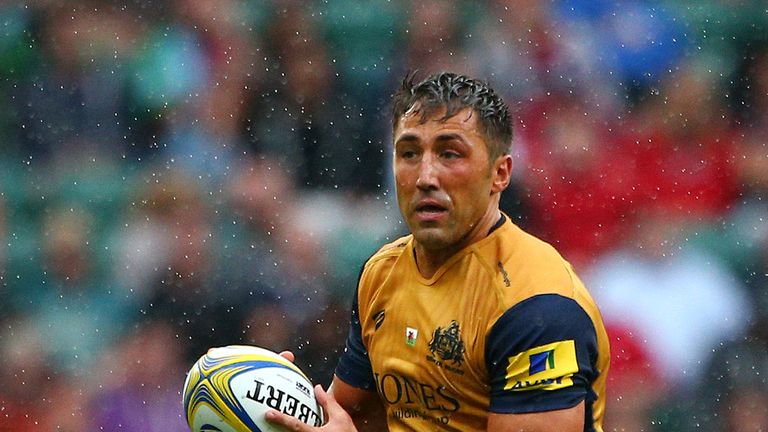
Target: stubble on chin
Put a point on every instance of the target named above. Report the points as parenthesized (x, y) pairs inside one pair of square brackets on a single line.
[(432, 238), (427, 240)]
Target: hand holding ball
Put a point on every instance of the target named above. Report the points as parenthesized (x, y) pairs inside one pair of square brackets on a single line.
[(231, 388)]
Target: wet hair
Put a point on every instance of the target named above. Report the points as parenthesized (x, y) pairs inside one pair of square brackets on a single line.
[(456, 92)]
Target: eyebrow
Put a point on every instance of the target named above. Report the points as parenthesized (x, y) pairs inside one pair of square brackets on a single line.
[(407, 138), (442, 137), (450, 137)]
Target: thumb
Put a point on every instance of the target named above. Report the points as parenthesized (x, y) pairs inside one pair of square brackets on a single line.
[(336, 418), (325, 400), (288, 355)]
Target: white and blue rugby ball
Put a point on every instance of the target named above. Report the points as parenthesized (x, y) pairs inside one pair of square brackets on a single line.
[(231, 388)]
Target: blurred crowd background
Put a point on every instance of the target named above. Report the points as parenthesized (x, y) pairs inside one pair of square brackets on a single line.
[(182, 174)]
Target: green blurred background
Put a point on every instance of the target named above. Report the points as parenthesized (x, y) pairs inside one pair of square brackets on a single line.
[(192, 173)]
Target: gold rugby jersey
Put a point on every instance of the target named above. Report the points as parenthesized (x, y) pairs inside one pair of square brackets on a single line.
[(504, 326)]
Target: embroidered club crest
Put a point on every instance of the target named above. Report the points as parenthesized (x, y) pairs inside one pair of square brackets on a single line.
[(447, 344)]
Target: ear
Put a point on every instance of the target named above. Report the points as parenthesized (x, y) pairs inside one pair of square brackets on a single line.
[(501, 173)]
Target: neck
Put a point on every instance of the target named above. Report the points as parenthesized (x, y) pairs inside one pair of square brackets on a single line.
[(429, 260)]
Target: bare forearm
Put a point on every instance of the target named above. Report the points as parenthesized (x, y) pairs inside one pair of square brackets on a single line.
[(364, 407), (372, 418)]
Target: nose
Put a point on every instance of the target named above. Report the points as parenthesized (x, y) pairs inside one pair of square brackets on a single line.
[(427, 179)]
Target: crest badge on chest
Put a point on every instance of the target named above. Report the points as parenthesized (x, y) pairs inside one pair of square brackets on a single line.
[(446, 349)]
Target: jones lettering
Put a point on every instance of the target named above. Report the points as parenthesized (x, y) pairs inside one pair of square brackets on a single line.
[(396, 389)]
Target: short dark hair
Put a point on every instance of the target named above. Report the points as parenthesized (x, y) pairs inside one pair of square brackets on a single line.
[(456, 92)]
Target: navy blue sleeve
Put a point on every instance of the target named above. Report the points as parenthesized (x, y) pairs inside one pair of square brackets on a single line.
[(541, 355), (354, 367)]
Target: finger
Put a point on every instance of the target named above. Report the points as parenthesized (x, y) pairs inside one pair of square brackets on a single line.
[(328, 403), (288, 355), (322, 399), (291, 423), (334, 413), (321, 395)]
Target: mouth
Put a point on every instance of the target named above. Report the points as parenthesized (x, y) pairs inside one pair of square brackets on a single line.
[(429, 211), (429, 208)]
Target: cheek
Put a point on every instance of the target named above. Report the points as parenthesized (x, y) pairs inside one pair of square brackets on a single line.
[(400, 175), (470, 193), (403, 190), (402, 185), (464, 180), (405, 180)]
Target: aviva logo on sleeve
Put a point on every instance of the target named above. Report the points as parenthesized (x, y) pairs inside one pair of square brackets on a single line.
[(547, 367)]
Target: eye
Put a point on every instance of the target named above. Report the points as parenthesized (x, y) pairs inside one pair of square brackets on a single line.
[(407, 154), (450, 154)]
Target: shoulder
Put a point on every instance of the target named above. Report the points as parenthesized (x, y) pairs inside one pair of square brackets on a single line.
[(540, 286), (394, 247), (542, 314), (528, 266), (379, 265), (389, 252)]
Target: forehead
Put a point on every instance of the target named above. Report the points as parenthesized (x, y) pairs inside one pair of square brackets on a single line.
[(412, 121)]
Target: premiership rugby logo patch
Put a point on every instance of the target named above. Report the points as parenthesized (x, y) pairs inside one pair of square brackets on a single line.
[(547, 367)]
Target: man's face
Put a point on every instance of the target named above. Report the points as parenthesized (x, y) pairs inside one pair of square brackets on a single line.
[(443, 176)]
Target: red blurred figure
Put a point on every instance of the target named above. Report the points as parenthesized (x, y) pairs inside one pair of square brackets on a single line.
[(634, 385), (683, 148), (581, 188)]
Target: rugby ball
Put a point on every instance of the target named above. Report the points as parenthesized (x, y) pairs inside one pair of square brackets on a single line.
[(229, 389)]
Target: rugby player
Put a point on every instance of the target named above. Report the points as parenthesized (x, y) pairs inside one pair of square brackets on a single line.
[(467, 323)]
